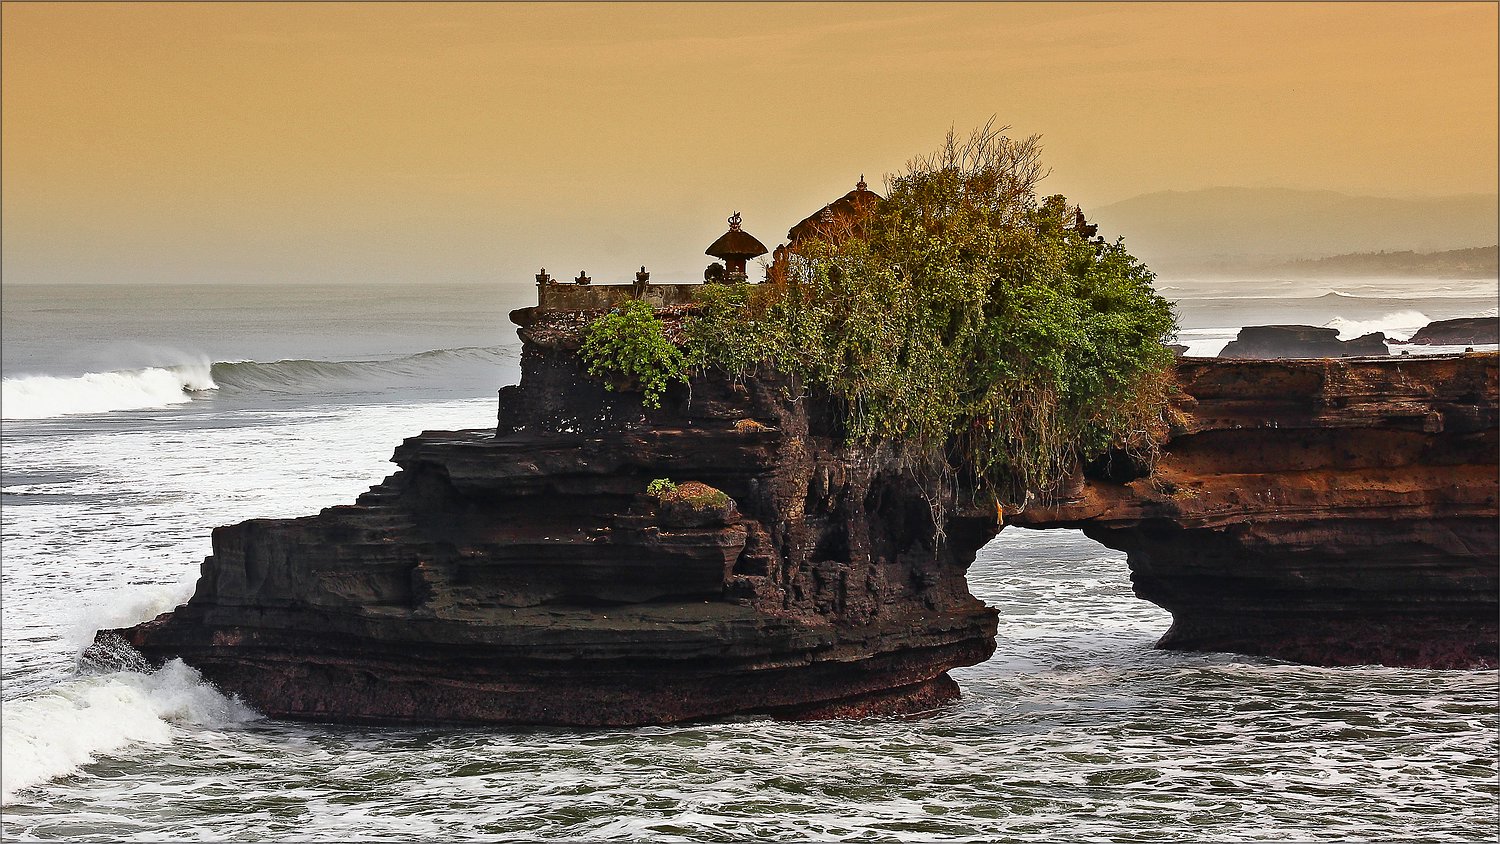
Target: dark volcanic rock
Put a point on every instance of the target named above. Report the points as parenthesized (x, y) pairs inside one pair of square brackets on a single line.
[(1324, 511), (1330, 512), (1366, 345), (1459, 332), (523, 575), (1301, 341)]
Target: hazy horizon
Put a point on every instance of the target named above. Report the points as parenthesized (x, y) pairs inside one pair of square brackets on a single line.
[(471, 143)]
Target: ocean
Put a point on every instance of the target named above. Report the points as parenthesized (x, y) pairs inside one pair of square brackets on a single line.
[(136, 419)]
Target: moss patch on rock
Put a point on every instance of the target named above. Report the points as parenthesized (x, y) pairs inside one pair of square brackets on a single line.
[(696, 495), (694, 504)]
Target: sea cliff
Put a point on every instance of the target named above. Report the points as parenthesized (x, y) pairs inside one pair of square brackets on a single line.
[(1322, 511), (1332, 512), (524, 575)]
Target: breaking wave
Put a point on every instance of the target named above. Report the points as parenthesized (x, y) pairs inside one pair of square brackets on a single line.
[(115, 701), (298, 376), (47, 397), (55, 732), (1400, 325)]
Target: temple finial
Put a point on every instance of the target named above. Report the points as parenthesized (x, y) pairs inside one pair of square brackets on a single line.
[(860, 185), (734, 222)]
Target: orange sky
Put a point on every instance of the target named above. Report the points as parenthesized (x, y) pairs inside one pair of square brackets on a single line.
[(468, 142)]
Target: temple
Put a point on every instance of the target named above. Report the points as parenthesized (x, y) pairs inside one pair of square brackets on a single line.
[(735, 247), (839, 217)]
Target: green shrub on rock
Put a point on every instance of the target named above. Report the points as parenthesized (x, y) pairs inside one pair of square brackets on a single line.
[(963, 320), (661, 487), (629, 340)]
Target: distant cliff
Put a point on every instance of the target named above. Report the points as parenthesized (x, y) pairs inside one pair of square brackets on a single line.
[(1300, 341), (1458, 332)]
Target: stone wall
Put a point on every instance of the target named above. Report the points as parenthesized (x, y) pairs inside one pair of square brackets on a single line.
[(567, 296)]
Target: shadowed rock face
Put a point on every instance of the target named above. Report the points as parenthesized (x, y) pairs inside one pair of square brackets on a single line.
[(1301, 341), (522, 575), (1322, 511)]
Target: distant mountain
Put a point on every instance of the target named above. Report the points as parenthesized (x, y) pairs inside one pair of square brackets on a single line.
[(1479, 262), (1228, 228)]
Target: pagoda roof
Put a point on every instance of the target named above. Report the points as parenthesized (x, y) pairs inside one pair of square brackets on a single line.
[(851, 205), (735, 244)]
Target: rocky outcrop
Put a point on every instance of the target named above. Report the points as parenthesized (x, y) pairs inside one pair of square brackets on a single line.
[(1471, 331), (1300, 341), (524, 575), (1321, 511), (1324, 511)]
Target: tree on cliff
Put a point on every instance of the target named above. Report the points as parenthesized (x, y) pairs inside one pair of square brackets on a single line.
[(963, 319)]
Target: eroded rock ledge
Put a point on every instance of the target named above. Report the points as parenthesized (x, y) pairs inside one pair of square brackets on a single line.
[(1331, 512), (522, 574), (1325, 511)]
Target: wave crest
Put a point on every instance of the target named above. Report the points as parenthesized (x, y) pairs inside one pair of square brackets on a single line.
[(57, 731), (300, 375), (1397, 326), (47, 396)]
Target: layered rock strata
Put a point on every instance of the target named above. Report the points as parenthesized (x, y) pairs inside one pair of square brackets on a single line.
[(523, 575), (1320, 511)]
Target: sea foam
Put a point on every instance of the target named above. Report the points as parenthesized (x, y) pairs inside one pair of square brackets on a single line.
[(118, 700), (55, 732), (47, 397), (126, 607), (1400, 325)]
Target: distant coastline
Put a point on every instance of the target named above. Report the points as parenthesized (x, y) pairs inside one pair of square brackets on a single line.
[(1255, 232), (1476, 262)]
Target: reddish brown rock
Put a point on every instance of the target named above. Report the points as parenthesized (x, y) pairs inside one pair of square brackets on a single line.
[(1321, 511)]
